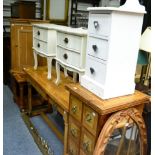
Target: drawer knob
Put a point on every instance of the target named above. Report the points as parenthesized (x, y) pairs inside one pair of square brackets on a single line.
[(66, 40), (86, 146), (73, 132), (65, 56), (38, 33), (96, 24), (94, 47), (74, 109), (38, 45), (92, 71)]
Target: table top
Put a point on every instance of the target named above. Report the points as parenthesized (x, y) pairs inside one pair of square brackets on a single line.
[(60, 93)]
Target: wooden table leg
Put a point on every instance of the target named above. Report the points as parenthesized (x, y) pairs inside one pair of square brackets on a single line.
[(29, 99), (21, 94), (65, 117)]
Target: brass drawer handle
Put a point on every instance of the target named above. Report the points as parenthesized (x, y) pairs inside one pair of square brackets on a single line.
[(74, 109), (86, 146), (89, 117), (74, 132)]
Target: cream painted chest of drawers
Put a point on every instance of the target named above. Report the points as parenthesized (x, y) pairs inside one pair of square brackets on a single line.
[(71, 51), (112, 49), (44, 43)]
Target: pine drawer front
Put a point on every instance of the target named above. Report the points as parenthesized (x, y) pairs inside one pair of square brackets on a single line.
[(87, 142), (98, 48), (74, 130), (71, 42), (90, 119), (73, 148), (40, 46), (75, 108), (99, 24), (40, 33), (96, 69)]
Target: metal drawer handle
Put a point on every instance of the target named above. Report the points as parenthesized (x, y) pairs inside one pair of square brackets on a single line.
[(65, 56), (96, 24), (66, 40), (38, 45), (86, 146), (38, 33), (89, 117), (74, 109), (73, 132), (94, 47), (92, 71)]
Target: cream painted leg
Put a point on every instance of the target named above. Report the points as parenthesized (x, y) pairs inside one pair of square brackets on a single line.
[(49, 65), (65, 72), (35, 60), (58, 73), (75, 77)]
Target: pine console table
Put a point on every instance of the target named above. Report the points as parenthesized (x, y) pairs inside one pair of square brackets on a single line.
[(89, 121)]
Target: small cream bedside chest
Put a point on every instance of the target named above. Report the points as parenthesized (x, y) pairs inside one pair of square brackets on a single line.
[(44, 43), (112, 50), (71, 51)]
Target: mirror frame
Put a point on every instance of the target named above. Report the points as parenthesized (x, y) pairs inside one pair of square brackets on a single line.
[(55, 20)]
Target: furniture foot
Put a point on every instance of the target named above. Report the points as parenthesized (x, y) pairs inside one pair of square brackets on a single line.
[(75, 77), (65, 72)]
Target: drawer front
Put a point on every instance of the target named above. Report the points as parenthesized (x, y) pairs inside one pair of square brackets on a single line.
[(73, 149), (96, 69), (69, 57), (72, 42), (99, 24), (40, 46), (90, 119), (41, 34), (74, 130), (75, 108), (98, 48), (87, 142)]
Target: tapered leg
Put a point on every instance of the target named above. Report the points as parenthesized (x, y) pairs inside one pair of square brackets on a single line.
[(58, 73), (75, 77), (65, 72), (35, 60), (49, 65)]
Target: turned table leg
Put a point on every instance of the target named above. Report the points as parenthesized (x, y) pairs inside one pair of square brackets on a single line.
[(49, 65), (58, 73), (29, 99), (35, 60), (65, 117)]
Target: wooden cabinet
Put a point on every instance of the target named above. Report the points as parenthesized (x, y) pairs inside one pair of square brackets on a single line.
[(107, 127), (21, 44)]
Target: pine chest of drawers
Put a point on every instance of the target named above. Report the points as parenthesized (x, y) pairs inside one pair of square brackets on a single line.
[(112, 49)]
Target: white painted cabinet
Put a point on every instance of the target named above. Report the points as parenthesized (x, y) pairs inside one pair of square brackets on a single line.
[(112, 49), (71, 51)]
